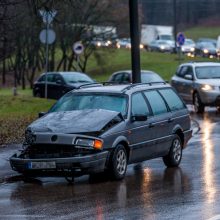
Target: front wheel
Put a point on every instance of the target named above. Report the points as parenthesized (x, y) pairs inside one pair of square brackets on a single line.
[(174, 157), (118, 162), (198, 105)]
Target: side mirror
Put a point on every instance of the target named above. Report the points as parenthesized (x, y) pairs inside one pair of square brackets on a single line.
[(188, 76), (59, 82), (41, 114), (139, 118)]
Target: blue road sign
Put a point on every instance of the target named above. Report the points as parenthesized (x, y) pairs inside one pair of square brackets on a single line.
[(180, 38)]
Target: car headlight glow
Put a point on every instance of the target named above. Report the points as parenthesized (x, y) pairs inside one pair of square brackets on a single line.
[(207, 87), (89, 143), (205, 51), (162, 47), (192, 49), (141, 46)]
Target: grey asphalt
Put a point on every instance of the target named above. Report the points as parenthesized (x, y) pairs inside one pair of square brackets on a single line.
[(149, 190)]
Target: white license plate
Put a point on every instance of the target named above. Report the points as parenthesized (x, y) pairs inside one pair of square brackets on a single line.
[(42, 165)]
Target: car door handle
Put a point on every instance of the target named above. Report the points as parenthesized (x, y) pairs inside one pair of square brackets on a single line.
[(151, 125), (170, 120)]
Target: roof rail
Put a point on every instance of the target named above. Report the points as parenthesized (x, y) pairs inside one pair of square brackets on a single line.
[(142, 84), (88, 85), (114, 83)]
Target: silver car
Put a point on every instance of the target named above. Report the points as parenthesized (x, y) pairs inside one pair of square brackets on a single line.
[(199, 84)]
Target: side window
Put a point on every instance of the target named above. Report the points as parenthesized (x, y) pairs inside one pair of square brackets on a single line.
[(50, 78), (139, 105), (182, 71), (117, 77), (41, 79), (172, 99), (57, 77), (157, 103), (126, 78)]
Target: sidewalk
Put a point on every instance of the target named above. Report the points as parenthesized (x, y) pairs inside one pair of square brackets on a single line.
[(5, 154)]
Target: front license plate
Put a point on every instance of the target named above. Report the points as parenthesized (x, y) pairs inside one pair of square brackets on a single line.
[(42, 165)]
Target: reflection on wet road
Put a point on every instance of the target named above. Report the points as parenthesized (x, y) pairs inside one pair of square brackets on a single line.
[(149, 191)]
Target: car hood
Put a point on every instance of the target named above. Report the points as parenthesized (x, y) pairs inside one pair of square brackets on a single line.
[(212, 82), (80, 121)]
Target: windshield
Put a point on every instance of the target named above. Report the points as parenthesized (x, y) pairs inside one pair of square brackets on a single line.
[(208, 72), (163, 42), (150, 77), (188, 42), (83, 101), (166, 37), (76, 77), (208, 45)]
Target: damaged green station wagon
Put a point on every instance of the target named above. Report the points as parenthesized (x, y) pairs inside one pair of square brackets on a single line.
[(105, 128)]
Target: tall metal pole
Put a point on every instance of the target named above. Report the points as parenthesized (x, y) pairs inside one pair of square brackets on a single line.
[(46, 65), (174, 23), (135, 41)]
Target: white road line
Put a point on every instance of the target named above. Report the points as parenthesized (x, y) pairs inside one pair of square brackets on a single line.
[(217, 217)]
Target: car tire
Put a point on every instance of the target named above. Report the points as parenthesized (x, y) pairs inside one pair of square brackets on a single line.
[(174, 156), (118, 163), (198, 105)]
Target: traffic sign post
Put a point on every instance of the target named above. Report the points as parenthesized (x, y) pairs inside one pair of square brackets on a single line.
[(78, 49), (181, 40), (47, 37)]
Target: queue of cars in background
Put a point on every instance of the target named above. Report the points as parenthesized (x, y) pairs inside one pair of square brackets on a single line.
[(105, 128), (198, 83), (59, 83)]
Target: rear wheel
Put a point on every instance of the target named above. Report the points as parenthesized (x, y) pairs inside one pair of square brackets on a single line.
[(174, 157), (118, 162), (198, 105)]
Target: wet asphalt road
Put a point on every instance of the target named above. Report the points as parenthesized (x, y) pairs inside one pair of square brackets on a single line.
[(149, 191)]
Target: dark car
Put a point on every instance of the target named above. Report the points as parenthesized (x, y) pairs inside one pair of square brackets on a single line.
[(205, 49), (161, 46), (198, 83), (125, 76), (59, 83), (207, 40), (104, 128)]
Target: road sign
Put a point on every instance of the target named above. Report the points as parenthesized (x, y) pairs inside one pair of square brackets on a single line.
[(180, 38), (47, 36), (47, 16), (78, 48)]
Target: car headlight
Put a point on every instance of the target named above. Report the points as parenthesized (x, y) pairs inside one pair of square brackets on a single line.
[(207, 87), (90, 143), (205, 51), (141, 46), (192, 49), (162, 47)]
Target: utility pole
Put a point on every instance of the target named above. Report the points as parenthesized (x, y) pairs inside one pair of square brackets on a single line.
[(135, 41), (174, 23)]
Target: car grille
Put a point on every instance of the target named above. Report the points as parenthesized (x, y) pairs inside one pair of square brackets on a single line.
[(54, 151)]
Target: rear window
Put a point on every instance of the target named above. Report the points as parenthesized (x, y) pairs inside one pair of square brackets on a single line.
[(172, 99)]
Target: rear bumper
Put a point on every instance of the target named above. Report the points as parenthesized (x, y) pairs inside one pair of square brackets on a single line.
[(60, 166)]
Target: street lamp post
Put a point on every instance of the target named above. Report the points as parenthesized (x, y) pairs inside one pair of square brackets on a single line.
[(135, 41)]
